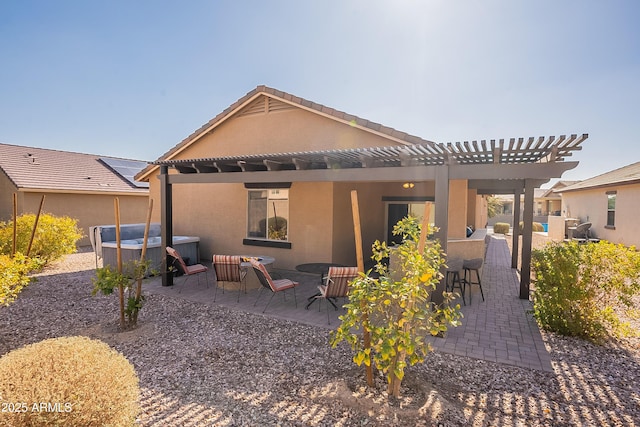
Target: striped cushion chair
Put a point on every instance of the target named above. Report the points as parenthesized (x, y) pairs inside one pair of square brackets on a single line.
[(336, 285), (188, 270), (269, 283), (229, 269)]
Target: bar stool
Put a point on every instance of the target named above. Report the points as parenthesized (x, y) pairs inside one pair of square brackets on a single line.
[(469, 265), (453, 271)]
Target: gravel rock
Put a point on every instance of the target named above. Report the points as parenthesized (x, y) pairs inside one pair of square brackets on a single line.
[(208, 365)]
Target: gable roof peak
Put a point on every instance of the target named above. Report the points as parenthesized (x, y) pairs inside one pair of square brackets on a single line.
[(287, 98)]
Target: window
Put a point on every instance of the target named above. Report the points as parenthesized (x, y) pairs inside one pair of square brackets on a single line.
[(611, 209), (268, 214)]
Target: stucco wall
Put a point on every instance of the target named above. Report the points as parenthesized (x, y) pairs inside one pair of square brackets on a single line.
[(6, 197), (591, 206), (217, 213), (280, 131), (88, 209), (321, 226)]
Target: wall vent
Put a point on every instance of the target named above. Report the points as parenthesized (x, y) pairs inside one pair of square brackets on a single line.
[(264, 105)]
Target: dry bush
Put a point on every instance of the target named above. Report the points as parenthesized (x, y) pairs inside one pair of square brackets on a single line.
[(535, 226), (70, 381), (501, 228)]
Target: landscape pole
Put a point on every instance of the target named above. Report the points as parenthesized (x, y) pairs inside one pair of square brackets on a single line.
[(119, 260), (15, 224), (366, 337), (35, 226)]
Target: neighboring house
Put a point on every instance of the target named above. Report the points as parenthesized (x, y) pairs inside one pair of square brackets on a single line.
[(550, 201), (610, 202), (81, 186), (546, 202), (273, 175)]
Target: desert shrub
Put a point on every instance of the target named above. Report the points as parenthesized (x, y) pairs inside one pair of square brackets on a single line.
[(579, 289), (14, 275), (536, 226), (70, 381), (55, 236), (501, 228)]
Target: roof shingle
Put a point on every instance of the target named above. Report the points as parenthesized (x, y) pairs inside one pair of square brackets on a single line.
[(45, 169), (629, 174)]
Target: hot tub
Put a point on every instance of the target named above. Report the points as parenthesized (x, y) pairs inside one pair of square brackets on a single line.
[(103, 241), (187, 247)]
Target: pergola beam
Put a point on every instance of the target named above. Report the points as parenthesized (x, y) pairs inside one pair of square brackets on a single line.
[(487, 173)]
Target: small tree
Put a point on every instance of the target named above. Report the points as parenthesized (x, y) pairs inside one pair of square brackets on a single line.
[(397, 306), (108, 280), (494, 206)]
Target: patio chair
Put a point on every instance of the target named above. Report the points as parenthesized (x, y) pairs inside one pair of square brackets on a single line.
[(336, 286), (188, 270), (278, 285), (582, 232), (229, 269)]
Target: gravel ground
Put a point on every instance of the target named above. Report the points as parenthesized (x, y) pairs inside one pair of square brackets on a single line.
[(207, 365)]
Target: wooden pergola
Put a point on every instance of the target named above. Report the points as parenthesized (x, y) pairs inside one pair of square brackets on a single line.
[(517, 167)]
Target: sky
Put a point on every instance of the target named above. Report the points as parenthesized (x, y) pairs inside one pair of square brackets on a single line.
[(132, 79)]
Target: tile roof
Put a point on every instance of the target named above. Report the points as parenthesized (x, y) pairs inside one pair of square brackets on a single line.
[(556, 189), (629, 174), (63, 171)]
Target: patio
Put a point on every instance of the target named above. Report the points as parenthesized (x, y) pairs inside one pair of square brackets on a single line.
[(497, 330)]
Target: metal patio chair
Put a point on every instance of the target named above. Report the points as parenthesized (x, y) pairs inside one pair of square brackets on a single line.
[(188, 270)]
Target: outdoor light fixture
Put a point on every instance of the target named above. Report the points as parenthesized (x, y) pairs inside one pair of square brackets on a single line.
[(408, 185)]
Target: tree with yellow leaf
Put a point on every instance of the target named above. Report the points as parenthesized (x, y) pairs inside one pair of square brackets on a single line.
[(397, 305)]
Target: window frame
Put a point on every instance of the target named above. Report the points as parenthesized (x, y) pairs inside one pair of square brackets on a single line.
[(266, 241), (611, 211)]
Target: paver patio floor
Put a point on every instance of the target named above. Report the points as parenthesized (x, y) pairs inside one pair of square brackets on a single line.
[(497, 330)]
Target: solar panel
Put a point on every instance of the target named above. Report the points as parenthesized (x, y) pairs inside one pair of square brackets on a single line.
[(127, 169)]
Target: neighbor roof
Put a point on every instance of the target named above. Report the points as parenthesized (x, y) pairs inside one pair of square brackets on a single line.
[(40, 169), (556, 189), (623, 176)]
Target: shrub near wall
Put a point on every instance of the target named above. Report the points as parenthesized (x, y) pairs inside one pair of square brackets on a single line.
[(501, 228), (55, 236), (535, 227), (579, 289), (71, 381)]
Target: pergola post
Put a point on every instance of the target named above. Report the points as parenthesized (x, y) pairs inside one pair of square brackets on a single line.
[(441, 221), (527, 233), (166, 213), (515, 235)]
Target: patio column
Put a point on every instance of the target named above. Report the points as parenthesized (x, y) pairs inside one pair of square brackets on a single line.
[(515, 235), (527, 233), (166, 219), (442, 221)]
